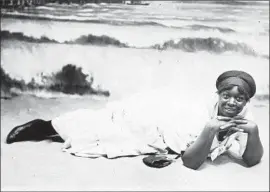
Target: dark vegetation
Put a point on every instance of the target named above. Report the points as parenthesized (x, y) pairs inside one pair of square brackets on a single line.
[(69, 80)]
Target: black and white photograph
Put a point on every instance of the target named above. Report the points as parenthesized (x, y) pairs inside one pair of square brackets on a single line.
[(113, 95)]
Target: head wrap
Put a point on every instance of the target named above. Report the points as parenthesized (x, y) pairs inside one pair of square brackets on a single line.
[(237, 78)]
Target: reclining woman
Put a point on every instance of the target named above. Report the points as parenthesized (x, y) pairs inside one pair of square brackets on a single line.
[(119, 131), (231, 127)]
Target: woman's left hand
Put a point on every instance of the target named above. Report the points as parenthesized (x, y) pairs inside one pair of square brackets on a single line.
[(245, 126)]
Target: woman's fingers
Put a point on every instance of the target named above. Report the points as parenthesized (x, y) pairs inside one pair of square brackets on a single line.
[(227, 126), (240, 121), (222, 118), (237, 129), (238, 117)]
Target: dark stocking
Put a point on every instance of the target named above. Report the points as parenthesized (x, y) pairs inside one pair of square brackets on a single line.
[(35, 130)]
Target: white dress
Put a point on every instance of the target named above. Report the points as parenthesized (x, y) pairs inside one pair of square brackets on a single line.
[(145, 123)]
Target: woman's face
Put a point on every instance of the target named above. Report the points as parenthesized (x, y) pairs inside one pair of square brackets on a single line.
[(231, 102)]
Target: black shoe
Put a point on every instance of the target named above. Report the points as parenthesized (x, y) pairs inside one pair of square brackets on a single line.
[(22, 132), (157, 161)]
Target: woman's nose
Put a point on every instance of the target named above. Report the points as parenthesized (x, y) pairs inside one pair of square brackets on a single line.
[(231, 101)]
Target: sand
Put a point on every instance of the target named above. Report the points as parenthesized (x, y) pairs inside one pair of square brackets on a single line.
[(43, 166)]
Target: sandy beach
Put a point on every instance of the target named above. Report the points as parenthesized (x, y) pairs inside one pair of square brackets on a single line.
[(53, 51), (43, 166)]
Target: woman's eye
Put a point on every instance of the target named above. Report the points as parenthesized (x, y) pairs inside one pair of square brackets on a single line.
[(239, 99), (225, 96)]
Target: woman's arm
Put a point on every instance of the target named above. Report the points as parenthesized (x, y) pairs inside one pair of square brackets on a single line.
[(254, 148), (197, 153)]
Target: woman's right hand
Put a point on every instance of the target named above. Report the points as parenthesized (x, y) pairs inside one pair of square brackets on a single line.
[(220, 123)]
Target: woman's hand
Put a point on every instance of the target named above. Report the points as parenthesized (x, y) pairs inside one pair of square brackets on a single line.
[(220, 123), (245, 126)]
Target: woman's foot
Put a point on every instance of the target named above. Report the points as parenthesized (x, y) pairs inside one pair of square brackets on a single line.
[(24, 132)]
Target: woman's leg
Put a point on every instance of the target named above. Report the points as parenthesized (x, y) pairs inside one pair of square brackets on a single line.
[(35, 130)]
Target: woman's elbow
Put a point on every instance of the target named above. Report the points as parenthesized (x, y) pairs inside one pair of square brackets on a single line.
[(253, 160), (189, 163), (251, 163)]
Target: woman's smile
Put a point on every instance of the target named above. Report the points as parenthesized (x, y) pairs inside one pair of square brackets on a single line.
[(230, 109)]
